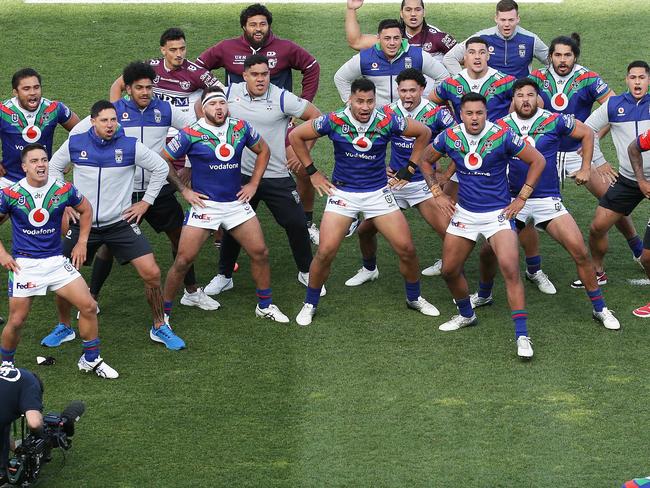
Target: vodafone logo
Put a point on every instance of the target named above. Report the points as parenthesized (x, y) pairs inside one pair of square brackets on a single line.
[(362, 143), (224, 152), (38, 217), (31, 133), (473, 161), (559, 101), (529, 140)]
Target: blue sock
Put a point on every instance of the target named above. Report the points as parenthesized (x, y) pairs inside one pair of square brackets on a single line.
[(313, 296), (465, 307), (8, 355), (520, 317), (91, 350), (412, 290), (370, 263), (485, 289), (636, 244), (167, 308), (264, 297), (534, 264), (597, 300)]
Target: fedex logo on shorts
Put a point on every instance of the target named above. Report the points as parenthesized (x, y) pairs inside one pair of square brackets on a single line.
[(459, 224), (26, 286), (205, 217), (339, 202)]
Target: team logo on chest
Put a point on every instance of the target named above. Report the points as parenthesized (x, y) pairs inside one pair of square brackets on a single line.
[(185, 85), (362, 143), (522, 50), (119, 155), (38, 217), (157, 115), (224, 151), (273, 62), (408, 63), (31, 133), (559, 101), (473, 161)]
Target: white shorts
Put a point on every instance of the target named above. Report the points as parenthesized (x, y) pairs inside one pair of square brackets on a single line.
[(412, 194), (36, 276), (567, 163), (471, 225), (6, 183), (219, 214), (372, 203), (541, 210)]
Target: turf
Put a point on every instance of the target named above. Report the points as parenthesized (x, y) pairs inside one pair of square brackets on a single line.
[(371, 394)]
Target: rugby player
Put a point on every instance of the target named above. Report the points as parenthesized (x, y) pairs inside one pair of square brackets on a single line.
[(284, 56), (635, 150), (569, 88), (360, 135), (35, 205), (480, 151), (214, 146), (384, 61), (545, 131), (628, 116), (149, 119), (411, 104), (511, 48), (104, 160), (28, 118), (269, 110)]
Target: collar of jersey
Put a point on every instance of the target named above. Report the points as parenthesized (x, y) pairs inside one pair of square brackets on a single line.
[(478, 137), (576, 67), (514, 33), (35, 189), (628, 97), (413, 113), (518, 120), (269, 40), (134, 106), (355, 122), (402, 49), (246, 94), (18, 106), (213, 128), (103, 142), (465, 74)]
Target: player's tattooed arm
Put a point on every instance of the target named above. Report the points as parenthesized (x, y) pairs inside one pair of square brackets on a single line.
[(636, 160), (78, 254)]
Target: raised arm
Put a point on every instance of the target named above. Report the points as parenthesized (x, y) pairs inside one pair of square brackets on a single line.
[(356, 40), (117, 88)]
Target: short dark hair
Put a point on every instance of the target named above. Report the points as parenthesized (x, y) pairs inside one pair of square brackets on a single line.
[(389, 24), (573, 41), (507, 6), (99, 106), (472, 97), (31, 147), (404, 3), (22, 74), (476, 40), (252, 11), (254, 59), (638, 64), (411, 74), (211, 89), (171, 34), (362, 84), (137, 70), (522, 82)]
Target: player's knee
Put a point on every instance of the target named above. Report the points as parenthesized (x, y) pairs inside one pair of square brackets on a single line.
[(182, 262), (510, 273), (597, 229), (406, 251), (259, 253), (88, 307), (324, 256), (151, 275)]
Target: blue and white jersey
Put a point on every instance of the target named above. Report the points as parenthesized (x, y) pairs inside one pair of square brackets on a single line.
[(628, 119), (481, 164), (513, 56), (359, 148), (215, 154), (435, 117), (544, 131), (36, 214)]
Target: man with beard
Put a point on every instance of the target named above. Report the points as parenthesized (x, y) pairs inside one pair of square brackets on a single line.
[(569, 88), (411, 104), (28, 118), (628, 116), (480, 151), (545, 131), (214, 145), (284, 56), (360, 135)]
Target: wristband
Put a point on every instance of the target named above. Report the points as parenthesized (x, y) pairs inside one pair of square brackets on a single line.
[(525, 192), (311, 169), (412, 166)]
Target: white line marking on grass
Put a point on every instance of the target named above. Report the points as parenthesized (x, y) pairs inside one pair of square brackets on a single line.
[(639, 282)]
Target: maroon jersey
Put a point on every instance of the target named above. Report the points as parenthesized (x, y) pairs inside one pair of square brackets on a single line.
[(283, 55), (433, 40), (181, 87)]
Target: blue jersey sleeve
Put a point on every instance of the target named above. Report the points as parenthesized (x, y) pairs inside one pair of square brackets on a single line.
[(599, 88), (397, 124), (442, 121), (513, 143), (252, 136), (322, 125), (566, 123), (439, 143), (75, 197), (4, 203), (63, 113), (178, 147)]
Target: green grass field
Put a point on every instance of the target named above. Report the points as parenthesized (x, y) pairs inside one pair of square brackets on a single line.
[(371, 394)]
